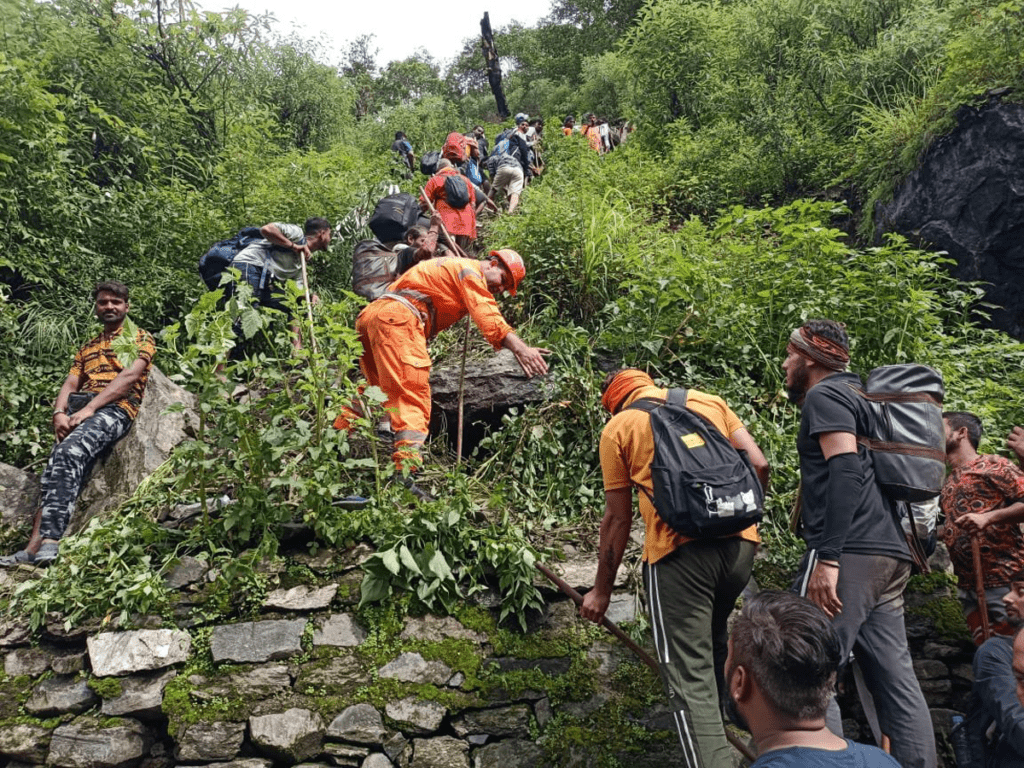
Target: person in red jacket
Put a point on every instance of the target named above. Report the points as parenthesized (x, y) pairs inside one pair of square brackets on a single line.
[(432, 296), (460, 222)]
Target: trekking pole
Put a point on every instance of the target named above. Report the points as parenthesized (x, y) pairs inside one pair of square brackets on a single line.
[(979, 587), (643, 655), (309, 303)]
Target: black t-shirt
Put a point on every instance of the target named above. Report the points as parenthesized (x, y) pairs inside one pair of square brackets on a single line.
[(832, 406)]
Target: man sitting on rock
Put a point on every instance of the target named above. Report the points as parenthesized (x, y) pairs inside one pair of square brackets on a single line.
[(94, 409)]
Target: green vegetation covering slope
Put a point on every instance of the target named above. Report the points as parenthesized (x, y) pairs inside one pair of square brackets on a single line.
[(130, 141)]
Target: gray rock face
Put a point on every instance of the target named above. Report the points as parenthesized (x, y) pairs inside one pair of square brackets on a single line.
[(141, 696), (257, 641), (26, 661), (510, 753), (339, 676), (500, 722), (65, 663), (437, 629), (88, 745), (120, 653), (360, 723), (377, 760), (496, 381), (413, 668), (259, 682), (58, 695), (442, 752), (341, 631), (210, 741), (189, 570), (967, 198), (246, 762), (347, 755), (19, 493), (137, 455), (301, 598), (14, 632), (24, 743), (293, 735), (415, 715)]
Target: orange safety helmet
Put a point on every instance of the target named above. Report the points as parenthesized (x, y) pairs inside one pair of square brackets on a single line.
[(514, 263)]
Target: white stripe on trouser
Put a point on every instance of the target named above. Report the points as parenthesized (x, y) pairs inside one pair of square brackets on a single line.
[(812, 560), (661, 643)]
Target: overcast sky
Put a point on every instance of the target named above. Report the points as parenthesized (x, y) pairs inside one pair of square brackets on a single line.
[(399, 26)]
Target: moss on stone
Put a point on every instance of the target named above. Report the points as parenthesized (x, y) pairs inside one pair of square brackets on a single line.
[(947, 617), (106, 687), (933, 582)]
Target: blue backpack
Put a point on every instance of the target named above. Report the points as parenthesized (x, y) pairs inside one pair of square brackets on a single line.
[(213, 263)]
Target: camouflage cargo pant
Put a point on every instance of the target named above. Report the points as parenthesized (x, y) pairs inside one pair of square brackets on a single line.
[(69, 465)]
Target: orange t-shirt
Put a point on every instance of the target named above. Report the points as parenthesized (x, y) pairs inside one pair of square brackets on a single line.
[(627, 449), (458, 221)]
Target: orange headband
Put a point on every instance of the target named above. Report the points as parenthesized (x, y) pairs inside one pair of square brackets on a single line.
[(620, 387)]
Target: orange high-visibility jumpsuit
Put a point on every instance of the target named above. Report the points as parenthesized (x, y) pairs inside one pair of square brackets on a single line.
[(394, 329)]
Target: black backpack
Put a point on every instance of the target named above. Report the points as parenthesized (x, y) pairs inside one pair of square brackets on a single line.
[(703, 486), (428, 163), (213, 263), (456, 193), (393, 216)]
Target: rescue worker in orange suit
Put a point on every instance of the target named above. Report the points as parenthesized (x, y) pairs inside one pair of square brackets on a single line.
[(460, 222), (429, 297)]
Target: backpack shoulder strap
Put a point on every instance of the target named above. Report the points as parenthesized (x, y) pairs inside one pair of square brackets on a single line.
[(677, 396), (646, 404)]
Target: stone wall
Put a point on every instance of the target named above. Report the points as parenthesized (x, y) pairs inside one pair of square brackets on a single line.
[(308, 682)]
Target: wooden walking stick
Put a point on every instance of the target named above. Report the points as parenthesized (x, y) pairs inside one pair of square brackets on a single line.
[(643, 655), (465, 341), (979, 587), (309, 303)]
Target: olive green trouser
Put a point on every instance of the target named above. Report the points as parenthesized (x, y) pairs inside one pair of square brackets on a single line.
[(690, 596)]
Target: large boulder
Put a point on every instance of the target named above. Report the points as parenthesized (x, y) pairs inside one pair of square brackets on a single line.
[(967, 198), (493, 384), (19, 493), (136, 456)]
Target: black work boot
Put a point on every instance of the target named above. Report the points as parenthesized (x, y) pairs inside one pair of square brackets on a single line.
[(410, 484)]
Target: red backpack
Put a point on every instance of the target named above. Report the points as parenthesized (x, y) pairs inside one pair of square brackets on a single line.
[(454, 147)]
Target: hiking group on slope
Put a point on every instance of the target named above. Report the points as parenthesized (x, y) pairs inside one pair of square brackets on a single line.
[(421, 276)]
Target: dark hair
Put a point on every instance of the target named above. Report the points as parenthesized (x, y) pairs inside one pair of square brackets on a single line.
[(961, 419), (399, 135), (415, 231), (315, 224), (831, 330), (111, 286), (788, 645), (610, 378)]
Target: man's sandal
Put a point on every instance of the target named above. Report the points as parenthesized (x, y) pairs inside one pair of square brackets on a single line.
[(47, 553), (21, 557)]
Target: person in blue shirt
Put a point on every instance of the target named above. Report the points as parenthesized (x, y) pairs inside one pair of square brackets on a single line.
[(780, 675)]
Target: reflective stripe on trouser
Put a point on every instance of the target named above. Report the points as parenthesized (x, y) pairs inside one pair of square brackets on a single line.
[(395, 359), (70, 462), (690, 595)]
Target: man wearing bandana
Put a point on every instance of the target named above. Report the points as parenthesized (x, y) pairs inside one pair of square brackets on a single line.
[(857, 561), (691, 585)]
